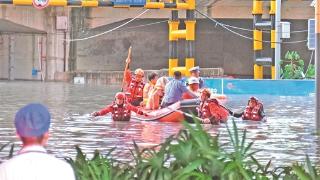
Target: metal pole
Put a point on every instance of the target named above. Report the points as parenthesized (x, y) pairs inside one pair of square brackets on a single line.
[(278, 40), (317, 58)]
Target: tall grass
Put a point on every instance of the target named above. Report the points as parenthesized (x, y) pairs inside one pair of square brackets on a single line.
[(191, 154)]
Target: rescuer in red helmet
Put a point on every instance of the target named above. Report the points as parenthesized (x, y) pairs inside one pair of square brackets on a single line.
[(254, 111), (210, 110), (120, 109)]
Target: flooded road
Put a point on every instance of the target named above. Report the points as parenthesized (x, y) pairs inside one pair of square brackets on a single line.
[(286, 137)]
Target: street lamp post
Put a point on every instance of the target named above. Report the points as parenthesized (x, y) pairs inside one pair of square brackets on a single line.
[(317, 58)]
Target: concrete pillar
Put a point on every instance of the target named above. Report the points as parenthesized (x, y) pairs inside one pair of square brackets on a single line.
[(11, 58), (55, 53), (77, 22)]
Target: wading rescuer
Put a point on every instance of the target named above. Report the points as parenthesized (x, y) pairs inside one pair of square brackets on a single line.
[(120, 109), (32, 162), (254, 111), (210, 111)]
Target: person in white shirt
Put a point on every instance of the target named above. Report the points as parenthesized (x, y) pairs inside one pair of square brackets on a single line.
[(32, 124)]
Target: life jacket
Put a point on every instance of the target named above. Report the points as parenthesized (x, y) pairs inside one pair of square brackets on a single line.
[(135, 89), (253, 113), (219, 113), (120, 113)]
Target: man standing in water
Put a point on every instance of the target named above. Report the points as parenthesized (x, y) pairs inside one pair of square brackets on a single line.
[(32, 124)]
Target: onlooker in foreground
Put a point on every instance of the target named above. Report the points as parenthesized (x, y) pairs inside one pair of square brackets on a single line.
[(32, 124)]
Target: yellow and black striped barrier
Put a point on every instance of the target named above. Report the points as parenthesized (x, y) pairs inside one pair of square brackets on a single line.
[(188, 5), (258, 25), (187, 34)]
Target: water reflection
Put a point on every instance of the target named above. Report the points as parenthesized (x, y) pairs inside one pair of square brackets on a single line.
[(286, 136)]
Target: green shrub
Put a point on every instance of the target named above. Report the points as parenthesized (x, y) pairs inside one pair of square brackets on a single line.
[(293, 66)]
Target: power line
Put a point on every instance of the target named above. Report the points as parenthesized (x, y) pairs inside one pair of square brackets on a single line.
[(243, 36), (113, 29)]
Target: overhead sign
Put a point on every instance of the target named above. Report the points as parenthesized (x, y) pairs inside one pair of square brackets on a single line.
[(40, 4)]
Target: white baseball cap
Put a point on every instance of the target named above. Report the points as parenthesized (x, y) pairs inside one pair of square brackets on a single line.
[(193, 80)]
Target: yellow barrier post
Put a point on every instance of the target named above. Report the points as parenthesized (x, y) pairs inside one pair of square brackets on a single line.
[(173, 42), (257, 10)]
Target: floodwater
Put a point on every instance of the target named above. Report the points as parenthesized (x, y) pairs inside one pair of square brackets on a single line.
[(286, 137)]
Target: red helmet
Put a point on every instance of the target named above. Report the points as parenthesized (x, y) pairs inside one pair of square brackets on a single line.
[(120, 96)]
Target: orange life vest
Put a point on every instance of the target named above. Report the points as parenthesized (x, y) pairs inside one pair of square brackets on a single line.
[(135, 89), (253, 113), (217, 112), (121, 113)]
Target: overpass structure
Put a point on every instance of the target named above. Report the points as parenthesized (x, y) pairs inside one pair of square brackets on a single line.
[(188, 33)]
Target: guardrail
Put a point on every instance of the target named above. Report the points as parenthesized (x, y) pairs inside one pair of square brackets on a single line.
[(267, 87)]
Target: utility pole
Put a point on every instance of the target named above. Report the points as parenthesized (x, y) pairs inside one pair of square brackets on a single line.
[(278, 40), (317, 58)]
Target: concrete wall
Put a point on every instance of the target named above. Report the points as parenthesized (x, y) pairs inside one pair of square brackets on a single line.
[(241, 9), (215, 47), (25, 57)]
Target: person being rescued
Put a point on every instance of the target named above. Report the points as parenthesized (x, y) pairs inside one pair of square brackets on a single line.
[(210, 110), (156, 94), (120, 109), (193, 85), (135, 85), (254, 111), (153, 77)]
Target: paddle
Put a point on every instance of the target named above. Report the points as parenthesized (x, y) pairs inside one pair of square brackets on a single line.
[(128, 60)]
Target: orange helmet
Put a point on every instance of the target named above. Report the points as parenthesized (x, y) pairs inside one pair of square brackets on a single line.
[(139, 71), (206, 91), (120, 96)]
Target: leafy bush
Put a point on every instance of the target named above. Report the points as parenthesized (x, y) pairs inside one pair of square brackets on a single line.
[(292, 66), (311, 72)]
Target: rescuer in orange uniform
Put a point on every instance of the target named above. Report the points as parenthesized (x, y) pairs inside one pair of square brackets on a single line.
[(210, 110), (120, 109), (254, 111)]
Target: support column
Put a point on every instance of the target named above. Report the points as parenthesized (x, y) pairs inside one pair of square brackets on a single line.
[(11, 58), (317, 58), (55, 56), (173, 42), (75, 26), (257, 38), (273, 36), (278, 40), (190, 40)]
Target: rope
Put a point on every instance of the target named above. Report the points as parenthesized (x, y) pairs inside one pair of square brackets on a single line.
[(113, 29)]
